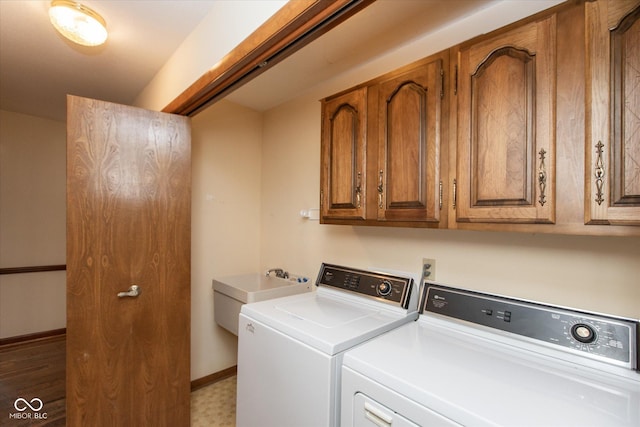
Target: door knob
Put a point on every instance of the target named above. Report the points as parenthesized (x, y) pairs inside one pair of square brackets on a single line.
[(133, 291)]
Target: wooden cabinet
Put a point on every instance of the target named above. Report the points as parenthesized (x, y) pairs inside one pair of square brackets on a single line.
[(500, 144), (409, 186), (612, 173), (505, 124), (344, 141), (381, 149)]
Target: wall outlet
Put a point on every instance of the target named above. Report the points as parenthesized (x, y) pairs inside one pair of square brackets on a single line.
[(428, 269)]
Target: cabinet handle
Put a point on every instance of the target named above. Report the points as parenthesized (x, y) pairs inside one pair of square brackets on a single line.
[(455, 193), (455, 88), (380, 189), (440, 202), (599, 174), (359, 190), (542, 178)]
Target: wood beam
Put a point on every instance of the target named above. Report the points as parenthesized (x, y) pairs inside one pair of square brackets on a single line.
[(295, 25)]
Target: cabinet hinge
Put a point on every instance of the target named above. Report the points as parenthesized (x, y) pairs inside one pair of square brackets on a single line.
[(440, 203), (455, 85), (441, 83)]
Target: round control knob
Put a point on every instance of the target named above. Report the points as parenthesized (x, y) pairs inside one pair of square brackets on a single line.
[(583, 333), (384, 288)]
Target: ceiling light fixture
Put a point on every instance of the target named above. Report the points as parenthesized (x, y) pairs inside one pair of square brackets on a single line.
[(78, 23)]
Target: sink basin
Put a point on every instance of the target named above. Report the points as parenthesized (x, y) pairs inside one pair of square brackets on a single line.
[(229, 293)]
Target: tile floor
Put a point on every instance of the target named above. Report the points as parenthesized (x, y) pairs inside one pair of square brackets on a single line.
[(214, 405)]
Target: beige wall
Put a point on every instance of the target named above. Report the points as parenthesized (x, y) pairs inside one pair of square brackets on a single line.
[(32, 223), (253, 173), (228, 23), (585, 272), (595, 273), (226, 141)]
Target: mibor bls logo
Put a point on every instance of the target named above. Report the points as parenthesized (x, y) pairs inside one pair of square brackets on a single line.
[(22, 405)]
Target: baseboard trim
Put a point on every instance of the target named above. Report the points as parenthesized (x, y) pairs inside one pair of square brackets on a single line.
[(20, 339), (213, 378)]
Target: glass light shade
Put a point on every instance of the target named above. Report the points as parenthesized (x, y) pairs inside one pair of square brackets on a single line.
[(78, 23)]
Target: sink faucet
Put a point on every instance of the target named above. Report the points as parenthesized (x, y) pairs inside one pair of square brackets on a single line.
[(279, 273)]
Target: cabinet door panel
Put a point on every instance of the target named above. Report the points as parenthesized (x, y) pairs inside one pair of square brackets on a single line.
[(343, 156), (626, 111), (613, 126), (506, 116), (409, 137), (502, 109)]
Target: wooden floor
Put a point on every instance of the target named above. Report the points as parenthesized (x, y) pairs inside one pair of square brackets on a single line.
[(36, 370), (29, 371)]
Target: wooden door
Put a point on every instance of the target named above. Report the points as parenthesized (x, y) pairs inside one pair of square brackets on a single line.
[(409, 123), (343, 169), (128, 222), (506, 127), (612, 184)]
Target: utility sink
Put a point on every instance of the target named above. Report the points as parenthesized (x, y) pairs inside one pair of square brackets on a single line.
[(230, 292)]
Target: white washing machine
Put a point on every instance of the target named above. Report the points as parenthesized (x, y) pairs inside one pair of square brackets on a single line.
[(476, 359), (290, 349)]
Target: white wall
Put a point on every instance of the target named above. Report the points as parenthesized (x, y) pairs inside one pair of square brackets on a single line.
[(32, 223), (226, 144)]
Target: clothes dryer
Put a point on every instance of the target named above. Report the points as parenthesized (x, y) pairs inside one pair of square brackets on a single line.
[(486, 360)]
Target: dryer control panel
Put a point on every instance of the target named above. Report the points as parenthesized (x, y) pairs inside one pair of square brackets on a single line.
[(387, 287), (605, 338)]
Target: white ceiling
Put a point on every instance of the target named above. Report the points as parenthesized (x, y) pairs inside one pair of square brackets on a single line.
[(38, 67)]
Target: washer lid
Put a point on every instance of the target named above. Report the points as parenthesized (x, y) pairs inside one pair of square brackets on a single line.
[(326, 313), (328, 320)]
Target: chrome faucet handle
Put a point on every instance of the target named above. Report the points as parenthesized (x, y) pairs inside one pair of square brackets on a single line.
[(279, 273)]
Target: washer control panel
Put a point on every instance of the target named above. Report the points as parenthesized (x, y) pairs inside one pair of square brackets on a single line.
[(387, 287), (605, 338)]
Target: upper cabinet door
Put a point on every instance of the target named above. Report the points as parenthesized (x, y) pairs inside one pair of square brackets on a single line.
[(506, 127), (343, 168), (612, 175), (409, 122)]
